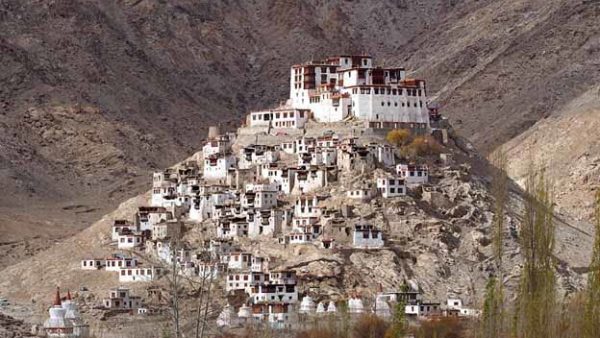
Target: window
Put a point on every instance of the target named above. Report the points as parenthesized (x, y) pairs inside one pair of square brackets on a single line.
[(382, 104), (392, 190)]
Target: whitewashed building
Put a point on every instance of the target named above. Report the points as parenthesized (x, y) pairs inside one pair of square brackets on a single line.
[(167, 229), (139, 274), (265, 223), (130, 241), (307, 206), (390, 187), (279, 118), (217, 166), (122, 226), (362, 193), (257, 154), (120, 298), (414, 175), (116, 262), (310, 179), (383, 153), (350, 86), (92, 263), (366, 236), (147, 217)]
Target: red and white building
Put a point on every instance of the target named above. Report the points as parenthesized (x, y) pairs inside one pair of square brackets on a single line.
[(351, 86)]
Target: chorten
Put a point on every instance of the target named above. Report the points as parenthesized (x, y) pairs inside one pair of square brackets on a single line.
[(321, 307), (57, 325), (307, 305), (65, 320), (355, 305), (331, 307), (227, 317)]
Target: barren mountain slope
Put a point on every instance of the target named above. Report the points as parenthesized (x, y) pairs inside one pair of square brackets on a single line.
[(444, 247), (95, 94), (506, 65), (567, 146)]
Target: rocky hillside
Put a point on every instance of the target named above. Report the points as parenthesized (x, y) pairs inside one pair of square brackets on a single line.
[(442, 244), (95, 94), (567, 146), (514, 67)]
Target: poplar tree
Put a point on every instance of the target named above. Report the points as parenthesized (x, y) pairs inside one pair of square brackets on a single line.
[(493, 308), (536, 301), (591, 320)]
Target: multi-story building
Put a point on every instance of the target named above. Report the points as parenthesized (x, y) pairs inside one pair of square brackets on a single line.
[(351, 86), (121, 298), (414, 175)]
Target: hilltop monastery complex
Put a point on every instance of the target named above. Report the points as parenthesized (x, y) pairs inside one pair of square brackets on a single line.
[(278, 191), (345, 87)]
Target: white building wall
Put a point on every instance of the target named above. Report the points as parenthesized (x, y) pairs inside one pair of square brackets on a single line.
[(129, 241), (217, 169), (127, 275)]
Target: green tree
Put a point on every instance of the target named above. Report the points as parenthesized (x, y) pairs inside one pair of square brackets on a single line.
[(591, 319), (493, 310), (399, 325), (492, 316), (536, 305)]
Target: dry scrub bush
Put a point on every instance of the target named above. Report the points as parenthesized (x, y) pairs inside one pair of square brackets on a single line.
[(422, 146), (370, 326), (398, 137), (443, 327)]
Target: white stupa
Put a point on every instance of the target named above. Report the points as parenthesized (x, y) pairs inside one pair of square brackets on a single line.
[(227, 317), (355, 305), (382, 308), (57, 325), (245, 312), (321, 307), (331, 307), (307, 305)]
